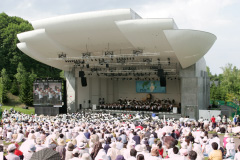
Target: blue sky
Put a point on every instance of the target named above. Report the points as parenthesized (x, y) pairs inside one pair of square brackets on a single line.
[(220, 17)]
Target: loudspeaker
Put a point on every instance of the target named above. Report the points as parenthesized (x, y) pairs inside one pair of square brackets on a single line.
[(84, 81), (89, 101), (107, 65), (81, 73), (80, 106), (160, 73), (163, 81), (87, 65)]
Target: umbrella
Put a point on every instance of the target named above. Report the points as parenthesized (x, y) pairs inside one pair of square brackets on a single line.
[(236, 130), (46, 154), (167, 140), (167, 129)]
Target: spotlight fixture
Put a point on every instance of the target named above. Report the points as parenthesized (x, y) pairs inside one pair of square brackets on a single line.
[(86, 55), (148, 60), (168, 61), (62, 55), (109, 53), (137, 52)]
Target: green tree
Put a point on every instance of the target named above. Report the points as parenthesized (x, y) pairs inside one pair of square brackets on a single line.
[(10, 55), (4, 86), (22, 79), (14, 89)]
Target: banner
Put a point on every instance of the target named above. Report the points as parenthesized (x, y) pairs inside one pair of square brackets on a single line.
[(149, 87)]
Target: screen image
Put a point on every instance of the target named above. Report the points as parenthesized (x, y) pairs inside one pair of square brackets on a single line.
[(149, 87), (47, 93)]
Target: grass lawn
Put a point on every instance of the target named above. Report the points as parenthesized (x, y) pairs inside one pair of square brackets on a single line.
[(30, 110)]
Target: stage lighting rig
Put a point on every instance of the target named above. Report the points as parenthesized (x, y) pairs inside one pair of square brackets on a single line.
[(121, 60)]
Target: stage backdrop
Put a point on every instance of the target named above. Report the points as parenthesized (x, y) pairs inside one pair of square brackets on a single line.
[(149, 87)]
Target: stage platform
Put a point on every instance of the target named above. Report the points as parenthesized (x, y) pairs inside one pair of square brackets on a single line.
[(159, 114)]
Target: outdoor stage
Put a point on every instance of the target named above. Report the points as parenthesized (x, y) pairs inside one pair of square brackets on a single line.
[(116, 54)]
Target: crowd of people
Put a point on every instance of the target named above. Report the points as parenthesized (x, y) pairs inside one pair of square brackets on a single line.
[(88, 136), (164, 105)]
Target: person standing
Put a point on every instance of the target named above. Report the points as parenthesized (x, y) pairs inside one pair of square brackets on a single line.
[(213, 122)]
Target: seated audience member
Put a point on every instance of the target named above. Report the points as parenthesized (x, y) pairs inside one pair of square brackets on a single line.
[(215, 154), (237, 155), (11, 156), (192, 155)]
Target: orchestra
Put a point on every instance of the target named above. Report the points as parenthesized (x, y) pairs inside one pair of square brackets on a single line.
[(164, 105)]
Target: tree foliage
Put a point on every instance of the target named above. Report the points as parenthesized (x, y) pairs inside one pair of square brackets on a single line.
[(10, 55), (4, 86), (228, 84), (21, 68), (25, 81)]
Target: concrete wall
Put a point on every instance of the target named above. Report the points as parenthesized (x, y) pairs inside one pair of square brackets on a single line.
[(71, 94), (207, 114), (195, 87)]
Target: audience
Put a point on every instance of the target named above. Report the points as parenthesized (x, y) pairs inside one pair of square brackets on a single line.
[(92, 136)]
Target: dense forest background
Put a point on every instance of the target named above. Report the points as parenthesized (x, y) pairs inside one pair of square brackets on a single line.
[(18, 71)]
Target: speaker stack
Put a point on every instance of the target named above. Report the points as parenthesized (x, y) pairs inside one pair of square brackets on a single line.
[(160, 74), (83, 79)]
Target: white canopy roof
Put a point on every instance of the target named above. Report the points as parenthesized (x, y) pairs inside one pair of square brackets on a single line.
[(82, 39)]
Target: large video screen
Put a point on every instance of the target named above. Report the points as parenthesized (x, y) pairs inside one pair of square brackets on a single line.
[(149, 87), (47, 93)]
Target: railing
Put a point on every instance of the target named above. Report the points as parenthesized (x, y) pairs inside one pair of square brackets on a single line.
[(230, 104)]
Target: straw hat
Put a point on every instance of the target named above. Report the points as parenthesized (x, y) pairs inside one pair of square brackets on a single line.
[(139, 148), (81, 145), (38, 141), (11, 147), (61, 142), (86, 156), (75, 151), (32, 148), (74, 141), (154, 152), (70, 147)]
